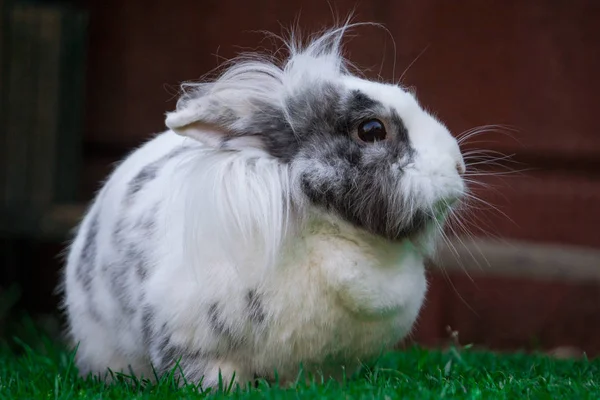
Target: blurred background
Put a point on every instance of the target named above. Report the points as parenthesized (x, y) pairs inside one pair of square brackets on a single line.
[(83, 82)]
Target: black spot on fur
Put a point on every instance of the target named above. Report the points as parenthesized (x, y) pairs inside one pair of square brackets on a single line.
[(360, 107), (135, 259), (141, 269), (163, 344), (121, 287), (119, 232), (214, 318), (355, 109), (275, 133), (87, 259), (255, 308), (401, 130), (128, 268), (146, 224), (349, 154), (220, 328), (177, 359), (317, 113), (130, 241), (166, 355), (147, 322), (353, 155), (149, 172)]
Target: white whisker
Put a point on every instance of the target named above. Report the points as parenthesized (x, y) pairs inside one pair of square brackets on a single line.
[(412, 63)]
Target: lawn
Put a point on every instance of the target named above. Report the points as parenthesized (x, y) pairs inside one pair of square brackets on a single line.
[(46, 371)]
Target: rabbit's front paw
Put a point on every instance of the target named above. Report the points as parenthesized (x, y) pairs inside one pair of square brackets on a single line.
[(225, 372)]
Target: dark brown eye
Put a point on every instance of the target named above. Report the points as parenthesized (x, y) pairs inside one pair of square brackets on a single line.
[(371, 131)]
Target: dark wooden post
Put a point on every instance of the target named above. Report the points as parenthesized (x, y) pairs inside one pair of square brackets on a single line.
[(42, 75)]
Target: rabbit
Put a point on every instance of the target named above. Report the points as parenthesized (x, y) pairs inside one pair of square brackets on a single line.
[(280, 221)]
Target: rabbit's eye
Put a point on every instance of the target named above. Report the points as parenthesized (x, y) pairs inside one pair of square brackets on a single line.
[(371, 130)]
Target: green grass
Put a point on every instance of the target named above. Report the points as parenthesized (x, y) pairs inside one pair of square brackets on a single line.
[(46, 371)]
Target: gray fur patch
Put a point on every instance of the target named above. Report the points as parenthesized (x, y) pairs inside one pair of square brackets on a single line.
[(156, 340), (130, 265), (141, 266), (276, 134), (192, 363), (314, 113), (361, 187), (87, 259), (122, 271), (119, 232), (215, 321), (167, 355), (121, 283), (147, 321), (130, 240), (255, 307), (221, 329), (149, 172), (147, 223)]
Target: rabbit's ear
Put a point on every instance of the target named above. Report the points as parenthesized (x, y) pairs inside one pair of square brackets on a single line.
[(201, 120), (241, 110)]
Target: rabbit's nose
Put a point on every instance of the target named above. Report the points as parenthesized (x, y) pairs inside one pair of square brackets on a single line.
[(460, 167)]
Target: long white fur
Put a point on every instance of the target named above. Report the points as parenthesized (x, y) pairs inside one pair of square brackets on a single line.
[(238, 204), (249, 79), (230, 221)]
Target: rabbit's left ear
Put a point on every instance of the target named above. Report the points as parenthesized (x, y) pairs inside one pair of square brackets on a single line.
[(235, 116), (203, 120), (243, 110)]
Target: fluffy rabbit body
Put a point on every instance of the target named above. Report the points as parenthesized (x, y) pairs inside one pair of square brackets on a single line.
[(282, 219)]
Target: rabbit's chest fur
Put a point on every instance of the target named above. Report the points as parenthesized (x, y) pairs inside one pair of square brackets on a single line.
[(339, 297), (134, 299)]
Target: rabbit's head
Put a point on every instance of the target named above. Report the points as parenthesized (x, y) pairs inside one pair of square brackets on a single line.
[(364, 151)]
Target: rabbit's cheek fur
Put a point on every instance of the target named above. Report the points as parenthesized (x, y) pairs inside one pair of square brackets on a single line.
[(365, 186), (390, 187)]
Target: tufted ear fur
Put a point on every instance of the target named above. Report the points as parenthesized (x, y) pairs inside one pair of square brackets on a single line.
[(228, 109), (248, 106), (209, 119)]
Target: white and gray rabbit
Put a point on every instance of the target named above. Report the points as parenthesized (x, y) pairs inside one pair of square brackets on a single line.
[(283, 219)]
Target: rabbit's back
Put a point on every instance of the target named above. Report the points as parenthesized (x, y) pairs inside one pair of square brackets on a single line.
[(114, 252)]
